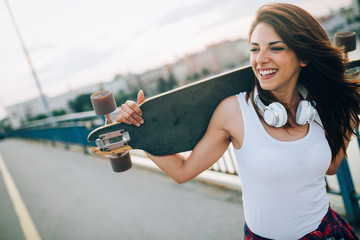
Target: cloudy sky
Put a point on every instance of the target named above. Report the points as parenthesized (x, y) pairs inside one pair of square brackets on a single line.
[(74, 43)]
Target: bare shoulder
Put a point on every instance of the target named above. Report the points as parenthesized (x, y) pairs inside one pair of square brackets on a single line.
[(228, 108), (228, 105)]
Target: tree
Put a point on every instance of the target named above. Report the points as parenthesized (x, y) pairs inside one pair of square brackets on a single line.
[(37, 117), (205, 72), (164, 85), (81, 103), (172, 82), (58, 112), (192, 78)]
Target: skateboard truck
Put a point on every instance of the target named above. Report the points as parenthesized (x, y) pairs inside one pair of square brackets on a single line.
[(114, 144), (113, 140)]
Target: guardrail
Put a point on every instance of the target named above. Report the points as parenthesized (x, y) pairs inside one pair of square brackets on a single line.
[(74, 128), (69, 129)]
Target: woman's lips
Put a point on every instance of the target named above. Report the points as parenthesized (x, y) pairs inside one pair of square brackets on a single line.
[(267, 73)]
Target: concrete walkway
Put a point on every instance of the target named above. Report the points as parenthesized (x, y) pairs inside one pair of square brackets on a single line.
[(70, 195)]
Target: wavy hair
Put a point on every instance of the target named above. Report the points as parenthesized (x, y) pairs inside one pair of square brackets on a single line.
[(336, 94)]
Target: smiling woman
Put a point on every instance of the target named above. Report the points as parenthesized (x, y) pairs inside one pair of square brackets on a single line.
[(301, 86)]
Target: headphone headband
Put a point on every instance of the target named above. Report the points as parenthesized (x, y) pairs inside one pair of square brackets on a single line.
[(275, 114)]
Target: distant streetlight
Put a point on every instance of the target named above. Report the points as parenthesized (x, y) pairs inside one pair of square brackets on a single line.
[(43, 98)]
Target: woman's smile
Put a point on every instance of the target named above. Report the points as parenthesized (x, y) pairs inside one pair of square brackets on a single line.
[(267, 73)]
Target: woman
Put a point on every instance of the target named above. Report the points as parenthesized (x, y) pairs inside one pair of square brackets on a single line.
[(289, 131)]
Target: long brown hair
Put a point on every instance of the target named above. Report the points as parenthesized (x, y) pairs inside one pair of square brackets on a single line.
[(337, 96)]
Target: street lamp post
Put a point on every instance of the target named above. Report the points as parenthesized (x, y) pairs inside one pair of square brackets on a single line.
[(43, 98)]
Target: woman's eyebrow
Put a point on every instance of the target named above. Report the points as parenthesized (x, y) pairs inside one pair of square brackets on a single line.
[(270, 43)]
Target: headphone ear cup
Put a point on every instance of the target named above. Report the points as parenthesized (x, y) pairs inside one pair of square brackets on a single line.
[(305, 113), (275, 115)]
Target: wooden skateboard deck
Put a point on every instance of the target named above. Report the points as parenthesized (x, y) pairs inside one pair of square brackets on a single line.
[(175, 121)]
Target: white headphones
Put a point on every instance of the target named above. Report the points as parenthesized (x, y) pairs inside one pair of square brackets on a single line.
[(275, 114)]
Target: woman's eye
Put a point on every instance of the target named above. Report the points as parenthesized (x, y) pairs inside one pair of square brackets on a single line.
[(277, 48), (254, 50)]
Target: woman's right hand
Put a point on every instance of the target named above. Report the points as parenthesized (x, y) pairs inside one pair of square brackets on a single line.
[(130, 113)]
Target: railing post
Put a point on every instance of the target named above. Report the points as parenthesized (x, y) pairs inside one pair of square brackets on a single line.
[(347, 191)]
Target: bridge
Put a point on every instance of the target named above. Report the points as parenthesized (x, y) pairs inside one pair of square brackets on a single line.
[(52, 188)]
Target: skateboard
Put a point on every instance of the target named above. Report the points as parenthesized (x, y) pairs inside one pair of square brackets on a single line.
[(174, 121)]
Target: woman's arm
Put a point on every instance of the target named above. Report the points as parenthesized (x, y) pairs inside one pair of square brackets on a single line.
[(210, 148), (335, 163)]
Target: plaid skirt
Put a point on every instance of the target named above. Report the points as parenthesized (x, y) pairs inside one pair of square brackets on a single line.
[(332, 227)]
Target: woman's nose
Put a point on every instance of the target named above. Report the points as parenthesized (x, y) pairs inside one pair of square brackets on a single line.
[(262, 57)]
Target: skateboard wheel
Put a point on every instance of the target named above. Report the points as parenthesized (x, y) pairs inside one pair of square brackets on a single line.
[(346, 39), (103, 102), (121, 163)]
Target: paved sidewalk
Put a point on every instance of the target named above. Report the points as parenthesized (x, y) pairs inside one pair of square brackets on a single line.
[(208, 207), (70, 195), (232, 182)]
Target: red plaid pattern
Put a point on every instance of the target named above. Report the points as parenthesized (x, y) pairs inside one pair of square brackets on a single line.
[(332, 227)]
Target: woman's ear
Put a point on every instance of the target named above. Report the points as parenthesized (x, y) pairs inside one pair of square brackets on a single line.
[(303, 63)]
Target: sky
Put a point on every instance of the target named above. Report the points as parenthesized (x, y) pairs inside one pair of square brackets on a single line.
[(75, 43)]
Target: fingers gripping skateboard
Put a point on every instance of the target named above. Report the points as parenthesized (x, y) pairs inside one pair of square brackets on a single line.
[(104, 103), (347, 40)]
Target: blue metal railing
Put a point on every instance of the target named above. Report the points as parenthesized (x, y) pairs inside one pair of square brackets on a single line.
[(70, 129), (74, 128)]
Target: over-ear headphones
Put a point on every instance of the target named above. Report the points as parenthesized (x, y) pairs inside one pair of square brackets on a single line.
[(275, 114)]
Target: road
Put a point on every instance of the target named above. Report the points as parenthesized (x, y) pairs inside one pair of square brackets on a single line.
[(70, 195)]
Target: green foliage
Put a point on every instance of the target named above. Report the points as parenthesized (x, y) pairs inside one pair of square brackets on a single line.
[(205, 72), (166, 85), (192, 78), (37, 117), (5, 125), (172, 82), (162, 85), (81, 103), (58, 112)]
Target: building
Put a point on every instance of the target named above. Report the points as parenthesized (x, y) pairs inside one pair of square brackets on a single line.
[(213, 59)]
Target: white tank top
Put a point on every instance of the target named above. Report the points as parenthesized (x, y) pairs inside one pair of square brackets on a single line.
[(283, 183)]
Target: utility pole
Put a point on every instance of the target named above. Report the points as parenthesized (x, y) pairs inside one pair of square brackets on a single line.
[(43, 98)]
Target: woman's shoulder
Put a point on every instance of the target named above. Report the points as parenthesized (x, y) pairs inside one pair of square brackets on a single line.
[(233, 100), (229, 101), (228, 107)]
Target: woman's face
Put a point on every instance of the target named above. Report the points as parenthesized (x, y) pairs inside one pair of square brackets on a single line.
[(275, 65)]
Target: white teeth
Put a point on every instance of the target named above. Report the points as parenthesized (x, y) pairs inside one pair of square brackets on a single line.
[(267, 72)]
